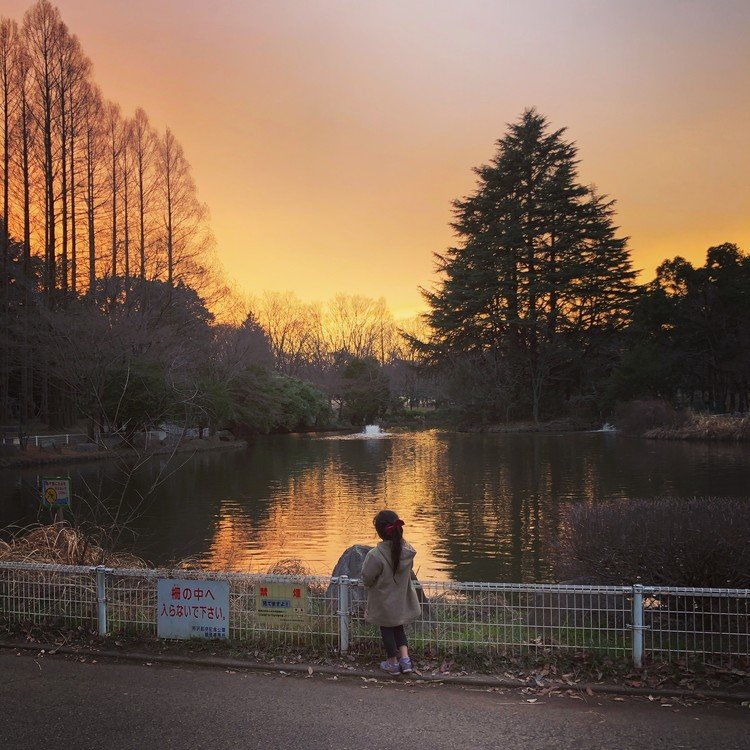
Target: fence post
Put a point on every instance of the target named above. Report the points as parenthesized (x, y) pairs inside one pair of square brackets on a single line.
[(638, 625), (101, 598), (343, 614)]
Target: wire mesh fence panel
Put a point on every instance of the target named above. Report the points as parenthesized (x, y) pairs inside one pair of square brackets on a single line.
[(131, 602), (709, 625), (132, 606), (496, 618), (57, 595), (706, 625), (318, 625)]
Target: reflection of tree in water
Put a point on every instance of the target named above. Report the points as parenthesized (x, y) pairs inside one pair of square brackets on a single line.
[(271, 497), (482, 507), (502, 498)]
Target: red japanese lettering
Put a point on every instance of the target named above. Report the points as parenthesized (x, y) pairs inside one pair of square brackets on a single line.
[(198, 593), (187, 594), (297, 593), (263, 591), (175, 592)]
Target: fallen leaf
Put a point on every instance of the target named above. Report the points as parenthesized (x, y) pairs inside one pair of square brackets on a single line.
[(589, 691), (309, 670)]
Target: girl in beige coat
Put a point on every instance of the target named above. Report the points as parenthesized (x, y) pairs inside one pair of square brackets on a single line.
[(391, 598)]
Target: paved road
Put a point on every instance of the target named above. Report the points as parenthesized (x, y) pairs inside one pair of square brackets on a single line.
[(53, 702)]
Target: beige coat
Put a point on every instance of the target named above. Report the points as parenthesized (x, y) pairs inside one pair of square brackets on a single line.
[(391, 600)]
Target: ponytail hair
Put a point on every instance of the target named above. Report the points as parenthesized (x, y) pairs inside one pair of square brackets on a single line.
[(390, 529)]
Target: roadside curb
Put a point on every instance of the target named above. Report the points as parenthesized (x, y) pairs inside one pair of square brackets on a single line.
[(463, 680)]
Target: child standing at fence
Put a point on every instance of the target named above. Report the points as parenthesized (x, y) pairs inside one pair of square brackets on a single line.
[(391, 598)]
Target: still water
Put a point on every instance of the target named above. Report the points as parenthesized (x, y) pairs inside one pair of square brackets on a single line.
[(477, 507)]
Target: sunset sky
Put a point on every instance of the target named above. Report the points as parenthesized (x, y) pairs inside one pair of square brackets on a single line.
[(328, 137)]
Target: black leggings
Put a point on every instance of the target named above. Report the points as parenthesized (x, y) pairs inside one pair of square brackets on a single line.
[(393, 639)]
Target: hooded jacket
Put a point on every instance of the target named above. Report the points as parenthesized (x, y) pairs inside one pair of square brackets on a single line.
[(391, 600)]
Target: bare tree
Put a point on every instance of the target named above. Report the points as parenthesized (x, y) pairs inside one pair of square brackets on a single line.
[(360, 327), (113, 127), (143, 145), (9, 51), (9, 61), (42, 31), (93, 146), (287, 323), (183, 215), (80, 65)]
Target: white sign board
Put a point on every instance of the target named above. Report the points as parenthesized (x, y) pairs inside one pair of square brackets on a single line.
[(192, 609), (56, 492)]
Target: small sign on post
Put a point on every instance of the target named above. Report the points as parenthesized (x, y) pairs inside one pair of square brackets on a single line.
[(280, 602), (56, 492), (192, 609), (56, 496)]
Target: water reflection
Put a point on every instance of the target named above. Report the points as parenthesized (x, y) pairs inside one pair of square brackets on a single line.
[(477, 507)]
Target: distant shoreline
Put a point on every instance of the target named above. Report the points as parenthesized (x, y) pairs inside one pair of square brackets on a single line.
[(32, 457)]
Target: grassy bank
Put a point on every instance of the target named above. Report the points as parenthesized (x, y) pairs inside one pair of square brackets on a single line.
[(712, 427), (64, 454)]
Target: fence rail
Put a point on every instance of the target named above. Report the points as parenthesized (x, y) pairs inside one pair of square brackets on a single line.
[(636, 622)]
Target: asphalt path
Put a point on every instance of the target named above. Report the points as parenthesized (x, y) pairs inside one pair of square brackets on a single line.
[(50, 702)]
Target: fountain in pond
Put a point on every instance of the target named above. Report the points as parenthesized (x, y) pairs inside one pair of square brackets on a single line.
[(370, 432), (607, 427)]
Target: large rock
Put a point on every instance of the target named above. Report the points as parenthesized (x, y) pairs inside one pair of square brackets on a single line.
[(350, 564)]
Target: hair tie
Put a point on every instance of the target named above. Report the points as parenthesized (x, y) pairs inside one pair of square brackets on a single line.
[(391, 527)]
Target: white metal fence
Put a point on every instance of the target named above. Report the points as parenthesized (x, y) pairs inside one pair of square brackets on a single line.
[(625, 622)]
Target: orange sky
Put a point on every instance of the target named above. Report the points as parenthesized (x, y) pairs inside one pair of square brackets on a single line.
[(328, 137)]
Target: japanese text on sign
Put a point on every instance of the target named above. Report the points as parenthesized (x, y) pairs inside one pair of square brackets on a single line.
[(280, 601), (192, 609)]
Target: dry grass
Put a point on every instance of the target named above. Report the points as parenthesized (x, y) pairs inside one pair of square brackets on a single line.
[(62, 545), (726, 427), (289, 567)]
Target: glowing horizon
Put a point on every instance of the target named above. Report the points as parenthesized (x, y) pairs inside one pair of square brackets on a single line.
[(328, 139)]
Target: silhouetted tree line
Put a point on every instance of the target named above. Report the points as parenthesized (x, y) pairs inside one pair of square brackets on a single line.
[(536, 313), (689, 339), (107, 269)]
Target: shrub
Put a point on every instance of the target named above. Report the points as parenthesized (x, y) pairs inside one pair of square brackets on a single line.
[(698, 542), (636, 417), (729, 427)]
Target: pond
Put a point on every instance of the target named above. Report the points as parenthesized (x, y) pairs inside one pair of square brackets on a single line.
[(483, 507)]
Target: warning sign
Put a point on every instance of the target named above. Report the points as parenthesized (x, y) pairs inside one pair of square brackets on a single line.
[(192, 609), (56, 492), (281, 602)]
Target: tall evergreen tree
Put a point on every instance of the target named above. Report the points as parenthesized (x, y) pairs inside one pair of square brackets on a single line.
[(538, 285)]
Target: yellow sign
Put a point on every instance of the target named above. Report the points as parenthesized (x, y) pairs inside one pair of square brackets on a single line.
[(280, 602)]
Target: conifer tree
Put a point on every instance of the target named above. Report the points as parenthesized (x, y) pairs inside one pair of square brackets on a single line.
[(531, 297)]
